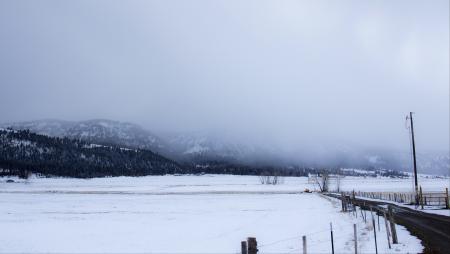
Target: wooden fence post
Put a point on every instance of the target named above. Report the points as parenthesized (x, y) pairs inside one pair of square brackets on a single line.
[(344, 202), (378, 218), (332, 240), (374, 232), (243, 247), (356, 238), (447, 205), (421, 197), (304, 244), (252, 245), (387, 229), (392, 223)]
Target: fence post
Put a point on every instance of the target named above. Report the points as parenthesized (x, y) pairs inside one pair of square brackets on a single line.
[(332, 241), (243, 247), (348, 201), (304, 244), (447, 206), (356, 238), (420, 197), (387, 229), (252, 245), (378, 218), (374, 232), (392, 223)]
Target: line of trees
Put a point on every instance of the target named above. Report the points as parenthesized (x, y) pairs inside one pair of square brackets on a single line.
[(23, 151)]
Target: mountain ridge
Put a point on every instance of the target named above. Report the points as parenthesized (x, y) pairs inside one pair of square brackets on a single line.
[(202, 148)]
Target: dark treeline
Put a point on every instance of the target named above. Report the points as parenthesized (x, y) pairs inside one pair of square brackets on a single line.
[(23, 152), (223, 167)]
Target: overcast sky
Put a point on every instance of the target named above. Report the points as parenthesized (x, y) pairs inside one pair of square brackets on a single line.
[(293, 72)]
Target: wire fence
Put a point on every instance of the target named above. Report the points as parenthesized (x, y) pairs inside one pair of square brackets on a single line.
[(429, 198), (366, 219)]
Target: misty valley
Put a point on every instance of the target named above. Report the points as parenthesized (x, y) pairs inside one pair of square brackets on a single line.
[(224, 127), (98, 148)]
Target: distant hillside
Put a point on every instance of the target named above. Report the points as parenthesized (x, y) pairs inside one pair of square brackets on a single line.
[(95, 131), (203, 148), (194, 147), (22, 151)]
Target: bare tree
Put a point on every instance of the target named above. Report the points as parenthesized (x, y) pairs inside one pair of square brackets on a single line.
[(267, 178), (338, 183), (263, 179), (323, 181), (24, 174)]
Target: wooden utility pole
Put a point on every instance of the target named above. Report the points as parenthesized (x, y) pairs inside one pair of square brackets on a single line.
[(414, 158)]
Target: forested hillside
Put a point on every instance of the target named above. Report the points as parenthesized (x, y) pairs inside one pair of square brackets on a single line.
[(22, 151)]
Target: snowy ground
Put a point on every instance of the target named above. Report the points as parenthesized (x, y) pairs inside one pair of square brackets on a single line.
[(185, 214), (211, 183), (178, 214)]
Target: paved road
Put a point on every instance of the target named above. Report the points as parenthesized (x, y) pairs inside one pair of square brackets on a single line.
[(432, 229)]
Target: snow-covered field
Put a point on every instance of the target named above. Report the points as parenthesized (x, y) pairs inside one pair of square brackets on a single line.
[(182, 214), (186, 184)]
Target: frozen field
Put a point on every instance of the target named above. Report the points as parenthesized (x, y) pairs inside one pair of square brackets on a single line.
[(180, 214), (209, 183)]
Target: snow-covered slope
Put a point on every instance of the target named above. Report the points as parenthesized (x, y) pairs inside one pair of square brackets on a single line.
[(97, 131), (206, 146), (191, 147), (355, 156), (49, 127)]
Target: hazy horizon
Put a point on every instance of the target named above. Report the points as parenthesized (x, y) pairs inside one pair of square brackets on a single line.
[(292, 73)]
